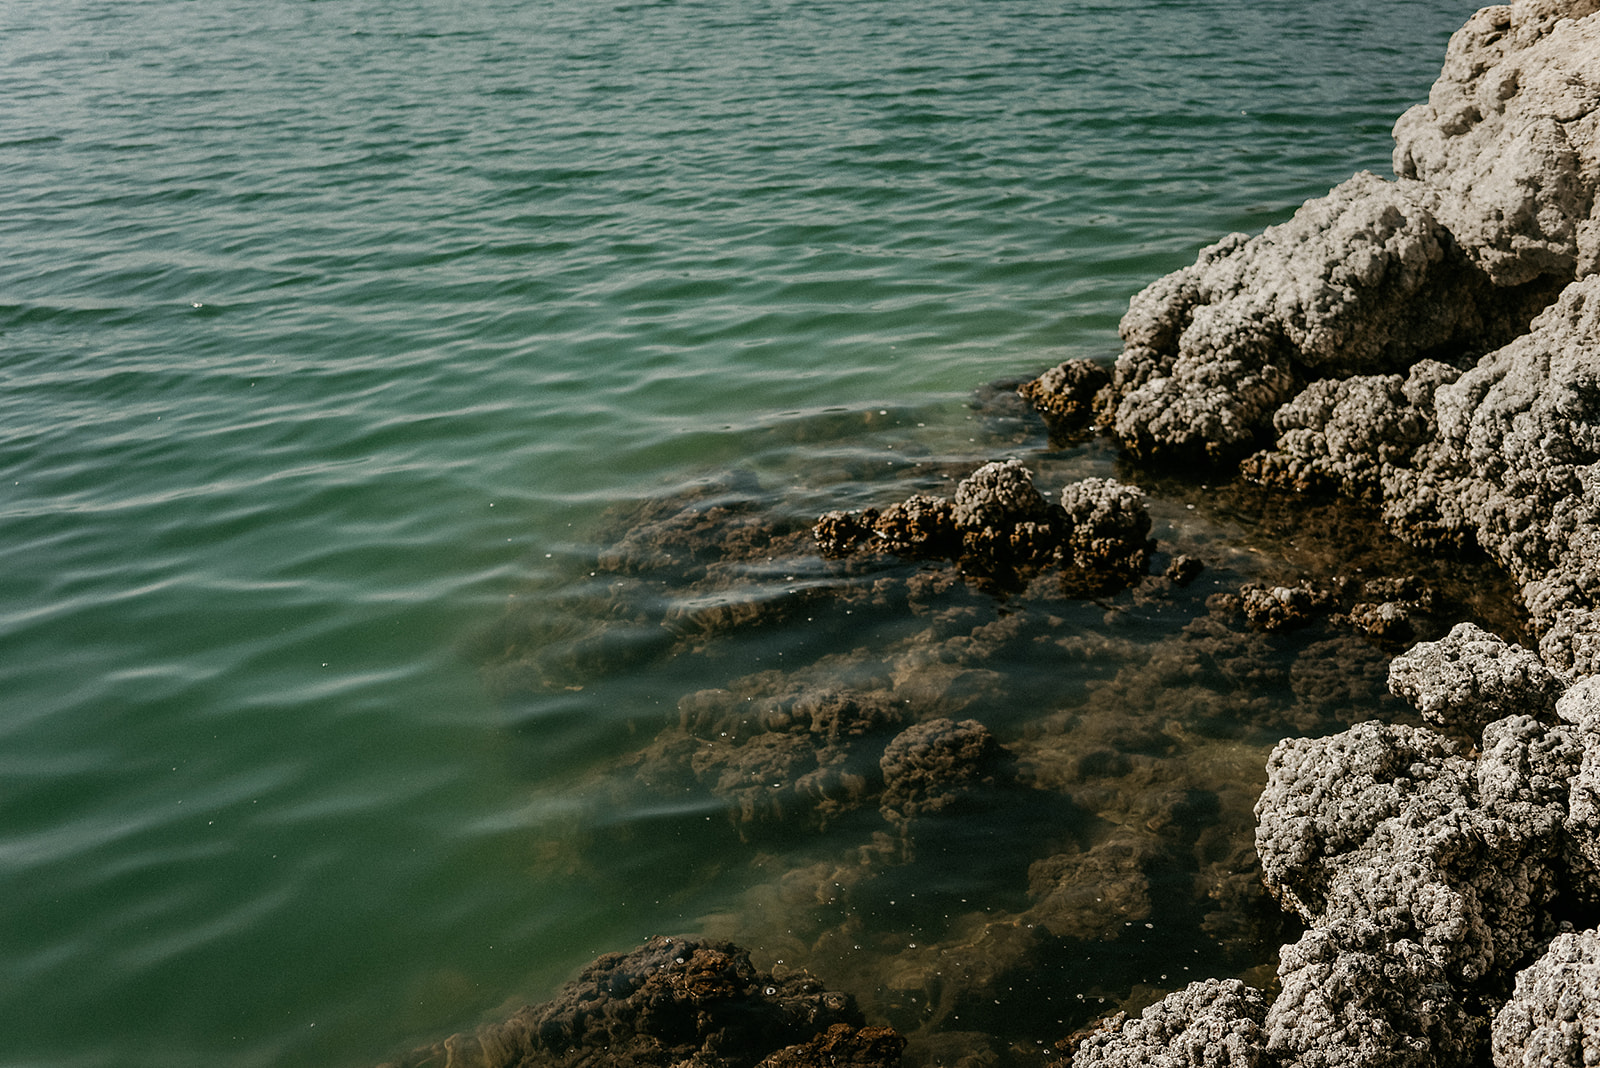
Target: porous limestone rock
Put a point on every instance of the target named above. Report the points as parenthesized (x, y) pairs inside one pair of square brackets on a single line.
[(1215, 1023), (1553, 1017), (1353, 998), (1326, 797), (1364, 280), (933, 765), (1507, 140), (1065, 394), (999, 525), (1470, 678), (1108, 529)]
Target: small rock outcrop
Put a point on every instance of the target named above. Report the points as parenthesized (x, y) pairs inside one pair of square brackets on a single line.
[(1470, 678), (1211, 1024), (677, 1002), (999, 525)]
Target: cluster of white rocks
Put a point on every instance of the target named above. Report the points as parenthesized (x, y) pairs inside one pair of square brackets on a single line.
[(1431, 344)]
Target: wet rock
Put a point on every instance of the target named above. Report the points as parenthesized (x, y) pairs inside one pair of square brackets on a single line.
[(803, 754), (1553, 1017), (1506, 142), (1094, 894), (1388, 622), (937, 764), (1184, 569), (1283, 607), (843, 1046), (1109, 529), (1065, 395), (1470, 678), (999, 526), (675, 1001), (1216, 1023)]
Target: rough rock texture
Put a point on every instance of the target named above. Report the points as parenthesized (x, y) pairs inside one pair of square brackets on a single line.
[(1553, 1018), (1065, 395), (676, 1002), (1580, 707), (1427, 876), (1353, 998), (1506, 142), (935, 765), (1432, 343), (1211, 1024), (1470, 678), (1363, 280), (999, 525)]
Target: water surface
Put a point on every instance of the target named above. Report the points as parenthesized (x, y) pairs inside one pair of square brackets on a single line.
[(326, 329)]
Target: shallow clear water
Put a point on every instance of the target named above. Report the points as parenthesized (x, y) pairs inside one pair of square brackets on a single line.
[(327, 328)]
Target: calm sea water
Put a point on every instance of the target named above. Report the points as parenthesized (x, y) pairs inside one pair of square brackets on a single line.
[(327, 327)]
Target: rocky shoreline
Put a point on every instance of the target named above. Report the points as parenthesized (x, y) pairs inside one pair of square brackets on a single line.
[(1428, 347)]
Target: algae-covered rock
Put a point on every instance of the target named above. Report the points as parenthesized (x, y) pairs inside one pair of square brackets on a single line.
[(1553, 1017)]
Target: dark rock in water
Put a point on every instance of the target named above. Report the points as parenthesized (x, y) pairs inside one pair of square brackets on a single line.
[(1109, 529), (1215, 1023), (1470, 678), (676, 1001), (1553, 1017), (938, 764), (1283, 607), (1065, 395), (784, 755), (1352, 998), (1095, 894), (843, 1046), (998, 525), (1184, 569)]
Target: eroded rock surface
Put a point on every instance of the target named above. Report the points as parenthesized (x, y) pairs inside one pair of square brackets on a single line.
[(1429, 343), (672, 1002), (1470, 678), (999, 525), (1553, 1017), (1210, 1024)]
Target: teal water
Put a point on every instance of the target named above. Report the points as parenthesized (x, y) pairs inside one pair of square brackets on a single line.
[(326, 328)]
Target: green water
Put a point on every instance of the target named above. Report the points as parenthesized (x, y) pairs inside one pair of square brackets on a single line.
[(326, 328)]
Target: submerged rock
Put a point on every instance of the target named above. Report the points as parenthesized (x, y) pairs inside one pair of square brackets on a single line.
[(672, 1002)]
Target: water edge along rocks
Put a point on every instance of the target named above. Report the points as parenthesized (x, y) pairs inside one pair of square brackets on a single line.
[(1430, 345)]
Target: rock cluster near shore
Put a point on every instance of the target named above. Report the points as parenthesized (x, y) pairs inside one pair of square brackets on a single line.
[(1431, 345)]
